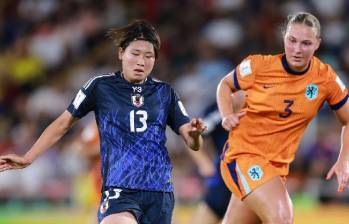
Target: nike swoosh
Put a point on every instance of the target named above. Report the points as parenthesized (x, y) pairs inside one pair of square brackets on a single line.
[(267, 86)]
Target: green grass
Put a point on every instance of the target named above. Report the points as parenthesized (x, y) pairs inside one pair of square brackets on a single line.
[(47, 216), (303, 215)]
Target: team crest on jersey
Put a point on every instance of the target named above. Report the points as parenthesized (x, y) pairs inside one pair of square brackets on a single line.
[(311, 91), (137, 100), (255, 172)]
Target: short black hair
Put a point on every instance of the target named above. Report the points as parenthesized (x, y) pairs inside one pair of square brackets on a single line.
[(137, 30)]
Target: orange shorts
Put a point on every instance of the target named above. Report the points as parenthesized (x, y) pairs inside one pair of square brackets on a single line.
[(246, 173)]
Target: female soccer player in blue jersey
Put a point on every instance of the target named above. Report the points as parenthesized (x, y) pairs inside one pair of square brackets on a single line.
[(132, 111)]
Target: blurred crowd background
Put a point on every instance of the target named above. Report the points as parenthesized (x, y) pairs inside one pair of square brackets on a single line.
[(49, 48)]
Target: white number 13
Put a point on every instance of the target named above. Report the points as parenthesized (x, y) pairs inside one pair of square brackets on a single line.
[(143, 116)]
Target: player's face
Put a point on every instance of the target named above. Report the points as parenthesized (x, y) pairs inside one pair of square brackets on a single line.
[(137, 60), (300, 43)]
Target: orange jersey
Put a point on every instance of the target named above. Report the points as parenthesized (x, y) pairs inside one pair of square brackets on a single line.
[(280, 105), (90, 138)]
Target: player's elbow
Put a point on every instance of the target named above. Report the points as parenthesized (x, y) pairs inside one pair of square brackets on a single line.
[(63, 123), (224, 88)]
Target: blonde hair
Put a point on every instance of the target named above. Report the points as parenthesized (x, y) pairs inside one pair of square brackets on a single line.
[(305, 18)]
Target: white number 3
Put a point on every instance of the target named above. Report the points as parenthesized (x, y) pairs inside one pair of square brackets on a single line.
[(143, 116)]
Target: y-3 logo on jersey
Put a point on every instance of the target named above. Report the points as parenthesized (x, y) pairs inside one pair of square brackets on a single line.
[(311, 91), (137, 89)]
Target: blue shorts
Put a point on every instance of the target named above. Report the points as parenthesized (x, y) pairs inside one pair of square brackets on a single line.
[(217, 195), (147, 206)]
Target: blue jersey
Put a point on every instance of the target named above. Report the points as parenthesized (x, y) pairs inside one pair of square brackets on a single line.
[(219, 136), (213, 120), (132, 120)]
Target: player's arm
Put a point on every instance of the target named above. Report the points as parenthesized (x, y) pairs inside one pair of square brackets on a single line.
[(225, 103), (191, 133), (50, 136), (341, 167), (203, 162)]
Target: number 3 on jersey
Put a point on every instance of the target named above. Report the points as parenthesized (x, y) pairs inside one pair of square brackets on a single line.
[(140, 115), (287, 111)]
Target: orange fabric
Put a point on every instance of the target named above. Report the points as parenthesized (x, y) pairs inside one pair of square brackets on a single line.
[(279, 106), (97, 178), (246, 173), (90, 138)]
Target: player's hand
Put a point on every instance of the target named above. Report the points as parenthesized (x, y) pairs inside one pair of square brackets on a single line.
[(230, 121), (197, 127), (341, 169), (13, 161)]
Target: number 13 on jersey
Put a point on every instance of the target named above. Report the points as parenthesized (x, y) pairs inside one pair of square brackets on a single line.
[(141, 116)]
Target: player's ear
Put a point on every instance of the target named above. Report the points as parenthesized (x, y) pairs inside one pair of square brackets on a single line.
[(318, 43), (120, 53)]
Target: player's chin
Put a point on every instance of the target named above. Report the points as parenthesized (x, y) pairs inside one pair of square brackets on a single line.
[(139, 78), (299, 64)]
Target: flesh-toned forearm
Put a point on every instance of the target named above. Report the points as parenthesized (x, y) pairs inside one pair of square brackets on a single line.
[(224, 99), (344, 152)]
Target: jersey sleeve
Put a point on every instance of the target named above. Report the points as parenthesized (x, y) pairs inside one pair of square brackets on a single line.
[(84, 100), (337, 92), (177, 113), (245, 73)]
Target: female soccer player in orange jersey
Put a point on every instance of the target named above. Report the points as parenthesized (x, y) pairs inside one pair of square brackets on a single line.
[(284, 93)]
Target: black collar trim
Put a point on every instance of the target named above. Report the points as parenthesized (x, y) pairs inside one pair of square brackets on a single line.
[(290, 70)]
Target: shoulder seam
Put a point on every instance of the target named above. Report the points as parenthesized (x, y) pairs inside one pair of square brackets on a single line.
[(157, 80), (89, 82)]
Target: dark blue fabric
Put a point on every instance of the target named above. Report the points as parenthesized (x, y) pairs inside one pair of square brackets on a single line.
[(236, 81), (148, 207), (132, 120), (340, 104), (289, 70), (217, 195), (234, 175)]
